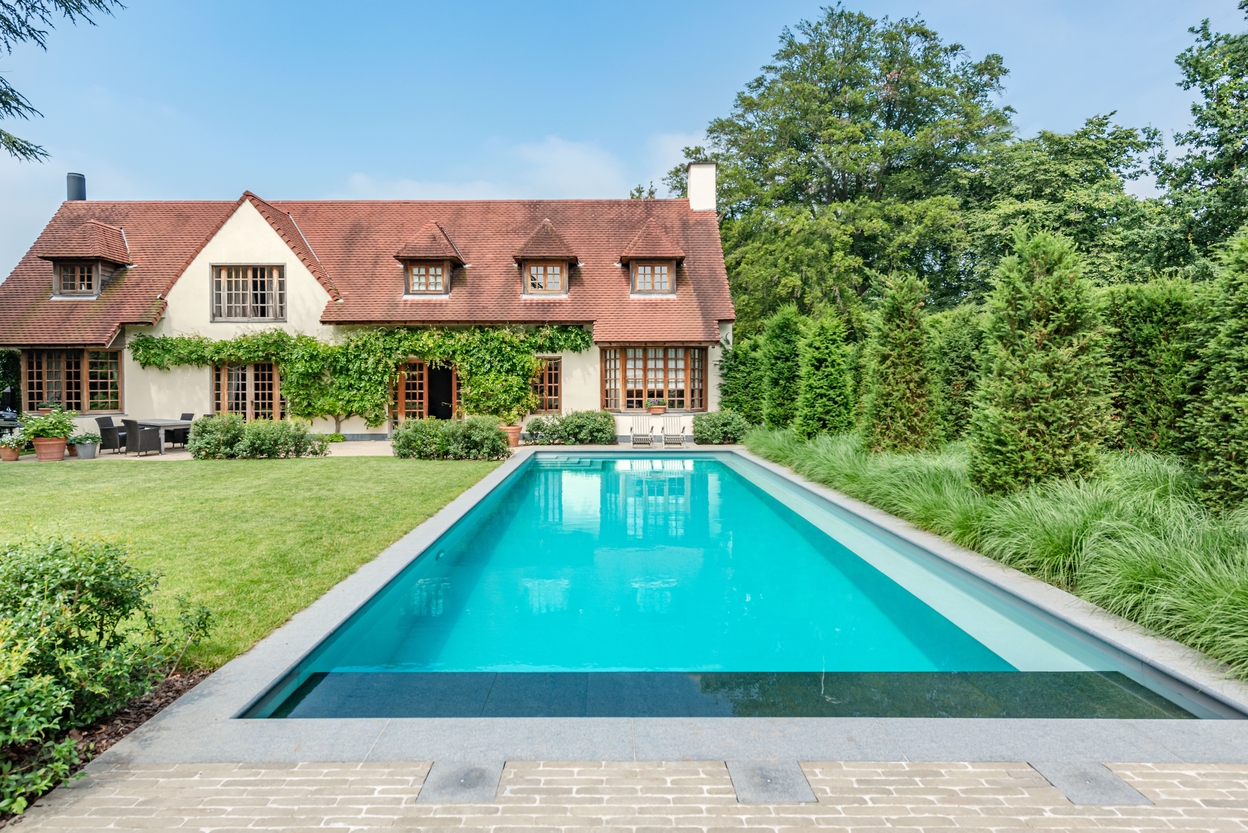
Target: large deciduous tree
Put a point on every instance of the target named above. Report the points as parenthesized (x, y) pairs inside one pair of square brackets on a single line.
[(1043, 408), (844, 159), (23, 21)]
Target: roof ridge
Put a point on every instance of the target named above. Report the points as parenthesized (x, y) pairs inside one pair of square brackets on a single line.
[(313, 263)]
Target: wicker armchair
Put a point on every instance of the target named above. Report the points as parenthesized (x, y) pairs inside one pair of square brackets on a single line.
[(141, 440), (110, 435), (174, 436)]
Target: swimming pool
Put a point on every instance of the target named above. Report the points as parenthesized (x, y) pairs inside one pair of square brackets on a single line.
[(696, 584)]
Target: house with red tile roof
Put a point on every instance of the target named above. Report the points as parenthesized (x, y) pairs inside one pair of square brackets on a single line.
[(646, 276)]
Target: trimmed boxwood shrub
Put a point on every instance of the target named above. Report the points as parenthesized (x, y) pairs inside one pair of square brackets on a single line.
[(228, 437), (719, 428), (475, 438), (575, 428)]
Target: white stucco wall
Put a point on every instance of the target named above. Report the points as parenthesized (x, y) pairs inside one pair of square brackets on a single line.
[(246, 238)]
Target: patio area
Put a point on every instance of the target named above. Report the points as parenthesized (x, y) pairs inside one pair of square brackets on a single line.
[(350, 448)]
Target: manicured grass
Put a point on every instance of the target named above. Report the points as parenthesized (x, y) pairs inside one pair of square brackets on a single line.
[(254, 540), (1134, 539)]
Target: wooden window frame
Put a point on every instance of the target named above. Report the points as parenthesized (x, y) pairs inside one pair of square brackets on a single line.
[(415, 372), (545, 264), (75, 382), (271, 407), (549, 378), (635, 271), (409, 268), (96, 276), (675, 363), (219, 295)]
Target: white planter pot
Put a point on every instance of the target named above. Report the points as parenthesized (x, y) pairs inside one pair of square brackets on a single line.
[(86, 451)]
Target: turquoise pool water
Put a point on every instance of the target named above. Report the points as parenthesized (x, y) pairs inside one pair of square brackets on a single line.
[(675, 573)]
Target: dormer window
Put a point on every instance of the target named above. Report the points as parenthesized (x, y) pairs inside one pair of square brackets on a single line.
[(653, 278), (427, 278), (545, 278), (77, 279)]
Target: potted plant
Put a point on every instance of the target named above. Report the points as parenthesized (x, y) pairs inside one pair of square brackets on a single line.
[(11, 445), (511, 424), (87, 444), (50, 433), (45, 407), (656, 406)]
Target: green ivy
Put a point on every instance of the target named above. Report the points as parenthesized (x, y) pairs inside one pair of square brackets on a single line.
[(354, 377)]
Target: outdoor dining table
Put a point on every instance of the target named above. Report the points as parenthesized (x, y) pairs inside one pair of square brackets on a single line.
[(163, 425)]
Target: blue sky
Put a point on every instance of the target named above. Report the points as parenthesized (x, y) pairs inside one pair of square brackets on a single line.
[(310, 99)]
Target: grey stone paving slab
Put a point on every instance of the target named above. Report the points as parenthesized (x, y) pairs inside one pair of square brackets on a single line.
[(247, 741), (972, 739), (1198, 741), (761, 738), (461, 782), (770, 782), (516, 739), (1088, 783)]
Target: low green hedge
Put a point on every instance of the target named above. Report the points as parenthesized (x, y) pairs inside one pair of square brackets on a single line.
[(475, 438), (575, 428), (78, 639), (226, 436), (719, 428)]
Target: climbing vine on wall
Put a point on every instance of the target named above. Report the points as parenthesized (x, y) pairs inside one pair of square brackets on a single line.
[(356, 375)]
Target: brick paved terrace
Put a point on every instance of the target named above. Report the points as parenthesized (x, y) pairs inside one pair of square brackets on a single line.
[(697, 795)]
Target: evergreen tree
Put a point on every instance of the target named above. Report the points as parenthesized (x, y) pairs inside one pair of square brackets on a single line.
[(899, 412), (826, 403), (1217, 426), (742, 379), (781, 357), (957, 336), (1043, 408)]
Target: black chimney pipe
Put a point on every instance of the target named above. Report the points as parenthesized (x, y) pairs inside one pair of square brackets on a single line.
[(75, 187)]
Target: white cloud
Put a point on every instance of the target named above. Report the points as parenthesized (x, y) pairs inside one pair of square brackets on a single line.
[(365, 187), (665, 153)]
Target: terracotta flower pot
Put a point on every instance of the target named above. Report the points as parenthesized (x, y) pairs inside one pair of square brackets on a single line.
[(48, 449), (73, 450), (657, 409), (10, 455), (513, 434)]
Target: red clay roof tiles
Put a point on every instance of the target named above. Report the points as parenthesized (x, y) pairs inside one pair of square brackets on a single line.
[(92, 239), (545, 244), (351, 246), (430, 243), (652, 243)]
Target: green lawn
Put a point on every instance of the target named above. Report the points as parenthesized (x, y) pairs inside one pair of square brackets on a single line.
[(254, 540)]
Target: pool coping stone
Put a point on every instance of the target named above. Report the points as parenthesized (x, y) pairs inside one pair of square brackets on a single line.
[(200, 727)]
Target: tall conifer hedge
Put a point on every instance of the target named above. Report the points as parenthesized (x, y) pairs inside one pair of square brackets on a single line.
[(781, 355), (1148, 341), (1043, 408), (743, 380), (957, 337), (1217, 425), (826, 403), (900, 407)]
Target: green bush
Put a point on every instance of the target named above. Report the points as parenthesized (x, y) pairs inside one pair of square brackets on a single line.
[(1216, 424), (57, 425), (575, 428), (270, 438), (1134, 539), (1042, 409), (78, 640), (214, 437), (227, 436), (782, 343), (335, 438), (719, 428), (826, 403), (1147, 342), (899, 411), (957, 339), (475, 438), (743, 381)]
